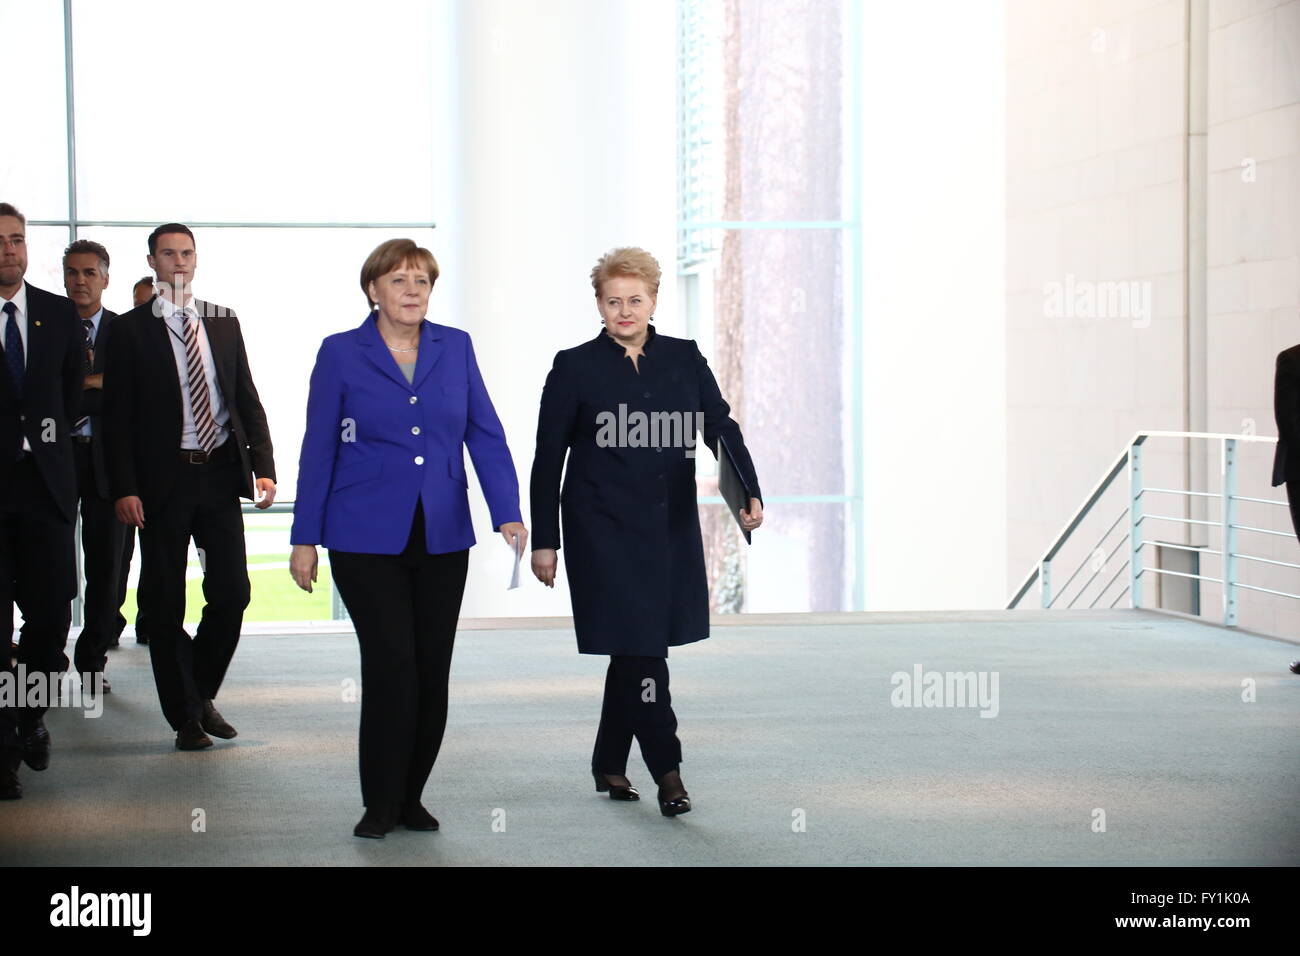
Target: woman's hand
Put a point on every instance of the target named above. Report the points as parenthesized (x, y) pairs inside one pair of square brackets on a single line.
[(512, 528), (302, 565), (751, 519), (544, 562)]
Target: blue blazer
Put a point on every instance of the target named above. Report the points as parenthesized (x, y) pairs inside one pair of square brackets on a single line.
[(375, 445)]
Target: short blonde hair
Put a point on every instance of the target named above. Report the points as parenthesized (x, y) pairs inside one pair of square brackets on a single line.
[(392, 255), (628, 262)]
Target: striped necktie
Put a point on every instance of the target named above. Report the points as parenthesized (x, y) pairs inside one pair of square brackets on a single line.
[(200, 402), (87, 363)]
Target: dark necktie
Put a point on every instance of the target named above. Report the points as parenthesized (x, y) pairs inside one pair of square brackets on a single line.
[(87, 362), (89, 359), (14, 347)]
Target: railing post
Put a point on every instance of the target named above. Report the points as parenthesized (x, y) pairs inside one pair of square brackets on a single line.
[(1135, 524), (1229, 532), (1045, 582)]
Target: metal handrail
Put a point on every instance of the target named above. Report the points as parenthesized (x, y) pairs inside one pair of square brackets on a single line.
[(1130, 459), (1119, 544), (1094, 550)]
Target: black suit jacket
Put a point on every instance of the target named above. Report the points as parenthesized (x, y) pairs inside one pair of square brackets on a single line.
[(92, 404), (50, 403), (1286, 409), (143, 413)]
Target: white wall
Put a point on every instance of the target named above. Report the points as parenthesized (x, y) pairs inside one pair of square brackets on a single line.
[(933, 342)]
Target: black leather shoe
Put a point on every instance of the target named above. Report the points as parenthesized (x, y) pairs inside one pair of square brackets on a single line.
[(10, 788), (416, 817), (615, 791), (1295, 667), (141, 638), (192, 737), (375, 823), (680, 802), (36, 746), (215, 724)]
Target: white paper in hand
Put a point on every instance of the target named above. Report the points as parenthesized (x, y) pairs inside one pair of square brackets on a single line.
[(519, 553)]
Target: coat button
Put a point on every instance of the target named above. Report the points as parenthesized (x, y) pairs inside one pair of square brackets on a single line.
[(419, 459), (646, 395), (415, 430), (414, 399)]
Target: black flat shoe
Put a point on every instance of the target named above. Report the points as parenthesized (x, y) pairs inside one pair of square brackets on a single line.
[(192, 737), (418, 818), (374, 824), (671, 808), (615, 791), (36, 746), (215, 724), (681, 803)]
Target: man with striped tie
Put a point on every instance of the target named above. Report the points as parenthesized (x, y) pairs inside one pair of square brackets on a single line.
[(186, 438)]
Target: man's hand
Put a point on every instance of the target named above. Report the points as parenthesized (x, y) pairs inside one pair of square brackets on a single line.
[(94, 381), (512, 528), (751, 519), (544, 562), (130, 510), (302, 565), (266, 487)]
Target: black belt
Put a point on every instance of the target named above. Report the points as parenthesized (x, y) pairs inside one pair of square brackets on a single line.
[(194, 456)]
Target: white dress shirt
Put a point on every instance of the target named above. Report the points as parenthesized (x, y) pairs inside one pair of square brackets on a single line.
[(220, 414)]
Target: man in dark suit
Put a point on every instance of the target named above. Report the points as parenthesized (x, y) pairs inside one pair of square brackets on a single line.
[(40, 400), (1286, 460), (185, 433), (106, 543)]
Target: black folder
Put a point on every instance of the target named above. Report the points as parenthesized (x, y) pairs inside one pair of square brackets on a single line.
[(734, 490)]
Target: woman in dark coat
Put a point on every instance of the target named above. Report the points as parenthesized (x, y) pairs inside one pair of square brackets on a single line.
[(626, 406)]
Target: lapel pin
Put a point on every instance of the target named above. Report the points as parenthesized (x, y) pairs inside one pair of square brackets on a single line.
[(38, 321)]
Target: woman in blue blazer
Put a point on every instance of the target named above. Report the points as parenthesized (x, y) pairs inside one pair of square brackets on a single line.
[(382, 484)]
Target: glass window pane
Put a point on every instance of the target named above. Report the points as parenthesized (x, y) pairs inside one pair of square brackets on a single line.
[(762, 112), (34, 159), (266, 112), (804, 562), (45, 245)]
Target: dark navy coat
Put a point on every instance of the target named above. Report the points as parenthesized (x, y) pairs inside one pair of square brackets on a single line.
[(632, 546)]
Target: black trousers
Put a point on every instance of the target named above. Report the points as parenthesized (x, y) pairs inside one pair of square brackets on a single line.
[(204, 505), (405, 608), (637, 704), (1293, 498), (106, 548), (38, 573)]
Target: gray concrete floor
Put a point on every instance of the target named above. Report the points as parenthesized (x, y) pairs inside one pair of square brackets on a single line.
[(782, 719)]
